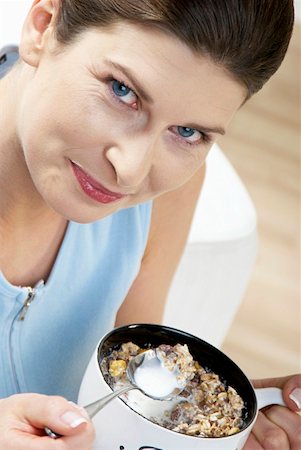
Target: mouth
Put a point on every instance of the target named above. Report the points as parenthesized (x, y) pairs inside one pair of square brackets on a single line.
[(93, 188)]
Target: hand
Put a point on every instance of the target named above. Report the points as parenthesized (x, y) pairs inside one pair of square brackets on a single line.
[(278, 427), (24, 416)]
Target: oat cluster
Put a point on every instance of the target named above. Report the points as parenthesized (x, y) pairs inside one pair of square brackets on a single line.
[(205, 408), (179, 358)]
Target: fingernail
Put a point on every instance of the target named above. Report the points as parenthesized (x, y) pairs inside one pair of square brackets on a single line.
[(295, 395), (72, 419), (80, 408)]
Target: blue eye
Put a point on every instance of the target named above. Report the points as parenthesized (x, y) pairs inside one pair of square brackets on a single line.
[(186, 132), (190, 135), (119, 88), (125, 94)]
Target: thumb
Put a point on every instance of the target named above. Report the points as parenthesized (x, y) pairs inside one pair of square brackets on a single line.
[(52, 411), (291, 389), (292, 393)]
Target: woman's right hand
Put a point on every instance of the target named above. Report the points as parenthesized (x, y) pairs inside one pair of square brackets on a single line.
[(24, 416)]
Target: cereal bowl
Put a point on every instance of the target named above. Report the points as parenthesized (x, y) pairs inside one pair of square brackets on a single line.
[(127, 423)]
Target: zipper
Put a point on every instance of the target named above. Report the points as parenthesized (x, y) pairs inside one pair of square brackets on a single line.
[(31, 292), (29, 299), (21, 314)]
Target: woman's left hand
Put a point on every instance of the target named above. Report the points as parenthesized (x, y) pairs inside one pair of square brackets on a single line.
[(278, 427)]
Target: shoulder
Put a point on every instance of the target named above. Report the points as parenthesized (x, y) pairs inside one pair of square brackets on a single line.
[(172, 212), (8, 56), (171, 218)]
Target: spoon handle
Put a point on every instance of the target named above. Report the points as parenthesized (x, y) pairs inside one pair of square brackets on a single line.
[(95, 407)]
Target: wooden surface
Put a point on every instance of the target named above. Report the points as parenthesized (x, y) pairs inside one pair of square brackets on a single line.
[(263, 144)]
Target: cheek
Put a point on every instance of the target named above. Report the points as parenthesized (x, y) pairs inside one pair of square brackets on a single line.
[(175, 168), (61, 120)]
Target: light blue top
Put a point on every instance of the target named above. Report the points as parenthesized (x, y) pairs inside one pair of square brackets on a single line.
[(49, 350)]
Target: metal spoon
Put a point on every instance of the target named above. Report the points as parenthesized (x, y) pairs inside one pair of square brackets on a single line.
[(147, 373)]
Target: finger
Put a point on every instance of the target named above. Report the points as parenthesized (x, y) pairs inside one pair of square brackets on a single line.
[(289, 421), (269, 435), (272, 382), (83, 440), (252, 443), (291, 389), (23, 441)]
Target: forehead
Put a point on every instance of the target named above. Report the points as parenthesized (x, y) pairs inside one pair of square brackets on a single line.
[(165, 66)]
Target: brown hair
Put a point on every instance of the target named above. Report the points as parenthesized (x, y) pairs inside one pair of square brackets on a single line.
[(247, 37)]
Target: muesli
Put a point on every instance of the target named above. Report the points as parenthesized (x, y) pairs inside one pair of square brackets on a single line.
[(205, 408)]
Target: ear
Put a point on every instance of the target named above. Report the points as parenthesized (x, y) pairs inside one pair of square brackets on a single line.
[(37, 30)]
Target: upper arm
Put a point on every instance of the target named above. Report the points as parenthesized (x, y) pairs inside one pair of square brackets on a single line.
[(171, 219)]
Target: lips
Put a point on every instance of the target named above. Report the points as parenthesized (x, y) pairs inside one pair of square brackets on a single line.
[(92, 188)]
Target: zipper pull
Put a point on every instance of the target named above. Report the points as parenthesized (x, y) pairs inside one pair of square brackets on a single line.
[(27, 303)]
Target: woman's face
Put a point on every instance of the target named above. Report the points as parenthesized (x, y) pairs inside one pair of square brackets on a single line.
[(120, 116)]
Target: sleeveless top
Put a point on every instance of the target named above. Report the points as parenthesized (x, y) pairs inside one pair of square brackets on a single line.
[(63, 320)]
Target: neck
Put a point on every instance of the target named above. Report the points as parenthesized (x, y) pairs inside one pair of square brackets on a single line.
[(20, 203)]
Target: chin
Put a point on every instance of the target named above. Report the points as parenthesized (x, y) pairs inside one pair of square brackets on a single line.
[(83, 213)]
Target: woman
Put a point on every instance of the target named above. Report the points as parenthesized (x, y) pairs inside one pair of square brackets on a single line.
[(106, 121)]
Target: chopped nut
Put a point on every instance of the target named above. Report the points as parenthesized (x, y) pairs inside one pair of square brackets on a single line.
[(233, 430), (117, 368)]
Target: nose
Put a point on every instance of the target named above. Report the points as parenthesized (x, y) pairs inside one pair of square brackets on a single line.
[(132, 159)]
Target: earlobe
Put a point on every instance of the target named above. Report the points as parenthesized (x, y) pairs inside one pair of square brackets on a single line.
[(37, 30)]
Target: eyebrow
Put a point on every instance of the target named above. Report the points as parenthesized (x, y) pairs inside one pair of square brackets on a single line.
[(132, 78), (146, 97)]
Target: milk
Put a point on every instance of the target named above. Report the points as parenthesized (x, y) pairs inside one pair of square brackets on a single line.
[(155, 380)]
